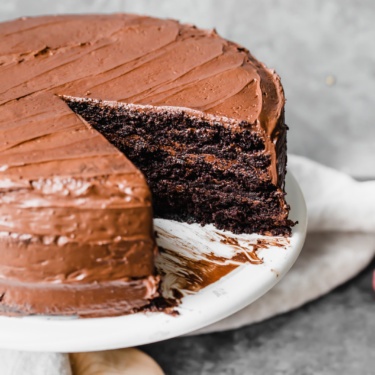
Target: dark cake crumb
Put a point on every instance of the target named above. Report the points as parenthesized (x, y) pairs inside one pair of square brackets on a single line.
[(197, 170)]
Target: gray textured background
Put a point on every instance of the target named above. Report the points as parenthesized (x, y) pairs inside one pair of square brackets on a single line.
[(324, 51)]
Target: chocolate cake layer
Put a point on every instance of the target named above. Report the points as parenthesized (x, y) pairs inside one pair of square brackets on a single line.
[(200, 168), (66, 191)]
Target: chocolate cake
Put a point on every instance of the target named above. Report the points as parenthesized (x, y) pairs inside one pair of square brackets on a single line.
[(107, 119)]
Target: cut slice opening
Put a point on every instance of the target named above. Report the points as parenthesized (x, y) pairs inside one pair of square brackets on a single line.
[(199, 168)]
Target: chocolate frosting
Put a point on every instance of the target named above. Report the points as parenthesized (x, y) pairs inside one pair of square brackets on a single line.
[(74, 210)]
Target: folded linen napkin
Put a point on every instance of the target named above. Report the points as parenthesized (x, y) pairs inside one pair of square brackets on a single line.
[(339, 244), (14, 362)]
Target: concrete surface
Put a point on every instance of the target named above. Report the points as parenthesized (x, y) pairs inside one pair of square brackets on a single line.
[(334, 335), (323, 50)]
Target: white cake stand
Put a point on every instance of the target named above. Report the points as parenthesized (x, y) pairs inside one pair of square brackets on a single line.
[(228, 295)]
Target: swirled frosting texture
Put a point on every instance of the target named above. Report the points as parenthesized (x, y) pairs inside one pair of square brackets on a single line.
[(74, 210)]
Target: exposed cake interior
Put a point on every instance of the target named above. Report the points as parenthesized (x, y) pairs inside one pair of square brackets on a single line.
[(199, 168)]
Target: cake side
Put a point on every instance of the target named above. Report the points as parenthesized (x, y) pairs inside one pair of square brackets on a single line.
[(76, 217)]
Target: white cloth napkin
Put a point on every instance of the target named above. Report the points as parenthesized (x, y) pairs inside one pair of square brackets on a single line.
[(339, 244), (13, 362)]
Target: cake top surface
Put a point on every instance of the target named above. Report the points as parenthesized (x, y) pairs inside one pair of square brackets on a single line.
[(124, 58)]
